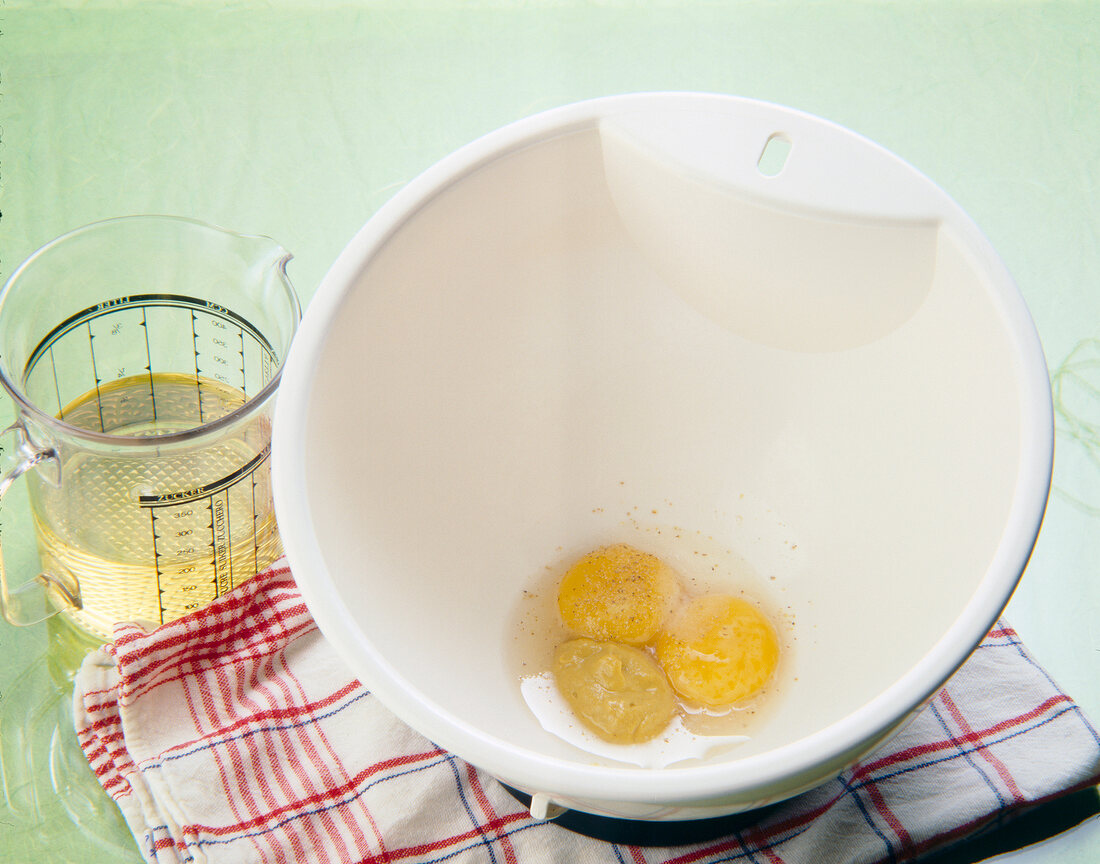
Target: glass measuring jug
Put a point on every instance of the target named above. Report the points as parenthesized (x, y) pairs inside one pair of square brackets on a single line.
[(143, 356)]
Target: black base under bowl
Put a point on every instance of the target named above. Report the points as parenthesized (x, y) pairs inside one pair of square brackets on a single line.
[(642, 832)]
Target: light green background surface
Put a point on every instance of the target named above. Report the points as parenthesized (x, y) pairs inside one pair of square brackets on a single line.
[(299, 119)]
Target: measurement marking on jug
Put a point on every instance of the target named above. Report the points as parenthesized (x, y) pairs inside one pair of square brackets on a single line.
[(95, 375), (178, 550), (195, 351), (228, 541), (244, 377), (255, 537), (109, 307), (225, 482), (56, 386), (219, 532), (156, 562), (149, 365)]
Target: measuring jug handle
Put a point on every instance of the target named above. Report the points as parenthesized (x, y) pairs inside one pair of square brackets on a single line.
[(30, 602)]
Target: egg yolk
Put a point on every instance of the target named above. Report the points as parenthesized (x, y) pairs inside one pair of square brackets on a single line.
[(618, 593), (617, 691), (720, 650)]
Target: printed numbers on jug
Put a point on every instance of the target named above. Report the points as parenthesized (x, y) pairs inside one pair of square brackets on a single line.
[(114, 342), (219, 350)]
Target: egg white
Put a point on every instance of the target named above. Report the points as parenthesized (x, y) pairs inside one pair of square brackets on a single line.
[(675, 745)]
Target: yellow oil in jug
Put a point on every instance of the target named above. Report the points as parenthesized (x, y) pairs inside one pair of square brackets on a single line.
[(152, 537)]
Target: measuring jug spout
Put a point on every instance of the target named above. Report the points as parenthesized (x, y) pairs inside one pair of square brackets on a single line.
[(269, 256), (266, 268), (258, 252)]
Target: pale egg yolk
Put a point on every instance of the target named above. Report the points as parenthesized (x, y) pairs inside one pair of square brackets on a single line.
[(618, 593), (617, 691), (719, 651)]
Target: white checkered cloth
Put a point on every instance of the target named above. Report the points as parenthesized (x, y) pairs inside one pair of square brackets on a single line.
[(236, 735)]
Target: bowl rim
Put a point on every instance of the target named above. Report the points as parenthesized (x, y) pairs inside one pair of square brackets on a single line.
[(778, 768)]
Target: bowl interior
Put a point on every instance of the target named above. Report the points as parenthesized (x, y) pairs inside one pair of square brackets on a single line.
[(524, 370)]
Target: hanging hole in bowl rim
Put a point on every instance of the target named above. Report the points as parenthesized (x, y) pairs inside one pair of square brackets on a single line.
[(774, 155)]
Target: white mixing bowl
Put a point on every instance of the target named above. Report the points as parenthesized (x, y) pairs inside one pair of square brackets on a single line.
[(615, 321)]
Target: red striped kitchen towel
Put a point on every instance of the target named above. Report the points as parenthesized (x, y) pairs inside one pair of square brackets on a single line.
[(236, 735)]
